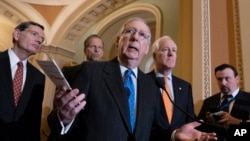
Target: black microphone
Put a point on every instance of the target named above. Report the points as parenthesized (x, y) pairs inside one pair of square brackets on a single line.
[(161, 84), (205, 127)]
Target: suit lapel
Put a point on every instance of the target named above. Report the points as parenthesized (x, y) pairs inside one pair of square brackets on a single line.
[(237, 104), (5, 77), (141, 102), (114, 83), (177, 96)]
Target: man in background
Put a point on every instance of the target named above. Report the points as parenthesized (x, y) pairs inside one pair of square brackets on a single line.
[(164, 54), (93, 51), (93, 48), (21, 85), (231, 106)]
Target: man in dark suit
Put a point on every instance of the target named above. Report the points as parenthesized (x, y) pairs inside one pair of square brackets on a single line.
[(237, 107), (101, 112), (20, 119), (93, 51), (164, 54)]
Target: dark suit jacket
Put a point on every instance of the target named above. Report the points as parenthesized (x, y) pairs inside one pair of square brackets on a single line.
[(240, 109), (70, 72), (21, 122), (184, 99), (106, 115)]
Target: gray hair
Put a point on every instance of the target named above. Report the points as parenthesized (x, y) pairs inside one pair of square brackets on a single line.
[(131, 20), (155, 46)]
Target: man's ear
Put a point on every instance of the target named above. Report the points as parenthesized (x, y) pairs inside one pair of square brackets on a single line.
[(16, 34), (117, 40), (147, 49), (154, 55), (84, 50)]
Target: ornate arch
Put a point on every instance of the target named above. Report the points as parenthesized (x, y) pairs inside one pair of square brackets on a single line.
[(150, 12)]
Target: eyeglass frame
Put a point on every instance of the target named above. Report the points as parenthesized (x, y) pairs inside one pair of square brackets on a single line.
[(131, 31), (96, 47), (35, 34)]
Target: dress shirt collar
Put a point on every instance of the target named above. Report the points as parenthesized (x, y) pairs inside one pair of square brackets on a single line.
[(161, 75), (123, 69), (233, 94), (14, 59)]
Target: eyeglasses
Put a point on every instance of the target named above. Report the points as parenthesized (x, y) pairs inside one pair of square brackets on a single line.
[(167, 49), (141, 34), (36, 35)]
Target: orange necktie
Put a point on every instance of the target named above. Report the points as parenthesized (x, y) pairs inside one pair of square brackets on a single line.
[(167, 102)]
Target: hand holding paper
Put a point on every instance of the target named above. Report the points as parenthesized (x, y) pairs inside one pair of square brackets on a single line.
[(52, 70)]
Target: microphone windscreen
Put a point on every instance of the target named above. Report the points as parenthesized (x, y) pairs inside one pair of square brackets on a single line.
[(160, 82)]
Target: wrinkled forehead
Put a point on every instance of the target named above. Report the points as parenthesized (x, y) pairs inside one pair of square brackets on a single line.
[(138, 25), (167, 42), (95, 40), (36, 28), (225, 72)]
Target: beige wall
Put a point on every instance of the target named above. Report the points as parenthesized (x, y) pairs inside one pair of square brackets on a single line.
[(220, 35), (244, 11)]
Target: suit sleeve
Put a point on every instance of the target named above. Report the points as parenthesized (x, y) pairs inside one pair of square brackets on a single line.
[(81, 82)]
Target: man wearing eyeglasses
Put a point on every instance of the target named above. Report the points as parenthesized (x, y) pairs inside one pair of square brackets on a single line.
[(22, 85), (113, 100)]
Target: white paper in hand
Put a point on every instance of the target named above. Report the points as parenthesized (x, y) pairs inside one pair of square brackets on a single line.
[(52, 70)]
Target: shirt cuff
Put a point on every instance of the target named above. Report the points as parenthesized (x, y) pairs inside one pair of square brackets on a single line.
[(66, 128), (173, 135)]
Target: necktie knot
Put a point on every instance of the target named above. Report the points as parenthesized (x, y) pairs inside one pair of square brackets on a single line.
[(165, 80), (20, 64), (128, 82), (128, 73), (227, 97), (225, 102)]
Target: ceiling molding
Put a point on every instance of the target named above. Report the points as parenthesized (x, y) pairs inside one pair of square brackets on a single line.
[(50, 2), (10, 12), (18, 12), (81, 22)]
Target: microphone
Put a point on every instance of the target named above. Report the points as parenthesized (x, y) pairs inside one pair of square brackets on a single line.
[(161, 84), (205, 126)]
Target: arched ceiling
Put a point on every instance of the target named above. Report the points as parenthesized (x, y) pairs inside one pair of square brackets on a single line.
[(68, 22)]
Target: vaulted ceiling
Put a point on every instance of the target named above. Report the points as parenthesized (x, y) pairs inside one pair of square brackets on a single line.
[(68, 22)]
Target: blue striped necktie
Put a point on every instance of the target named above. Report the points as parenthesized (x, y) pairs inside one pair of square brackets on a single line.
[(130, 89), (225, 103)]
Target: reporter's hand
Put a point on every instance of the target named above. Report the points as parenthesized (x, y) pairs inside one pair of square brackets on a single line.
[(209, 118), (188, 133), (68, 103), (227, 119)]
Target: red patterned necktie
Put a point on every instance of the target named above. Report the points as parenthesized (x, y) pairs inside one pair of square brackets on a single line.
[(17, 82)]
